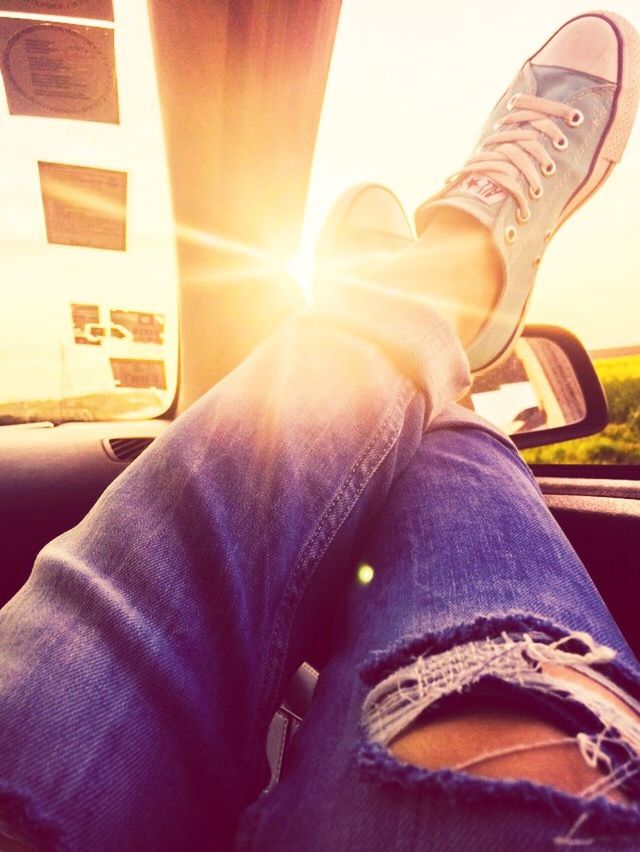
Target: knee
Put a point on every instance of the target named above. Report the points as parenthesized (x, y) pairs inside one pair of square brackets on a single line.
[(508, 700), (491, 737)]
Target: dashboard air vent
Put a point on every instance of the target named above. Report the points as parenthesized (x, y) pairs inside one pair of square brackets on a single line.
[(125, 449)]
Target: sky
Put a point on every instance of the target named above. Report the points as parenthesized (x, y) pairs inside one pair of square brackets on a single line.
[(411, 84)]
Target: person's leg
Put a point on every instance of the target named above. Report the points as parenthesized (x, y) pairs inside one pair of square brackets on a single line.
[(454, 263), (144, 658), (460, 709), (550, 143)]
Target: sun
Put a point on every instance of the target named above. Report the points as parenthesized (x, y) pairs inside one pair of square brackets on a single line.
[(300, 267)]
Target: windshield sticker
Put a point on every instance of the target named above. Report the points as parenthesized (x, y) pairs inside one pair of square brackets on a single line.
[(142, 327), (59, 70), (87, 330), (128, 327), (138, 373), (100, 9), (84, 206)]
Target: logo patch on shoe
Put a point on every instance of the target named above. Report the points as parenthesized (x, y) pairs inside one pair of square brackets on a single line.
[(481, 187)]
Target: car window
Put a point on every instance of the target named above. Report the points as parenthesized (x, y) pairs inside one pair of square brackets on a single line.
[(88, 306), (409, 88)]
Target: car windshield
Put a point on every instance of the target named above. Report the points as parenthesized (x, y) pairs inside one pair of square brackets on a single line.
[(89, 319)]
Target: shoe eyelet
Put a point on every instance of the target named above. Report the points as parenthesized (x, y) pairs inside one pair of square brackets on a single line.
[(576, 119), (549, 169), (512, 100), (536, 194), (522, 220), (561, 144), (510, 235), (536, 262)]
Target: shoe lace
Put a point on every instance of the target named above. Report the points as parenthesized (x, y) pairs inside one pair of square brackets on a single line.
[(516, 149)]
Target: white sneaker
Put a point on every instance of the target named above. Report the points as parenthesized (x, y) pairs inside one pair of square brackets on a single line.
[(550, 143)]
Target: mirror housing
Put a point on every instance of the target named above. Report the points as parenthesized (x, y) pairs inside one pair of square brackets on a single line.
[(545, 392)]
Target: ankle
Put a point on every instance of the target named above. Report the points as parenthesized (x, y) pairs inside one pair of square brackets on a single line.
[(464, 269)]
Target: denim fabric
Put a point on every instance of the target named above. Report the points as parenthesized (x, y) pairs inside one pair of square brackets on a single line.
[(464, 549), (143, 660)]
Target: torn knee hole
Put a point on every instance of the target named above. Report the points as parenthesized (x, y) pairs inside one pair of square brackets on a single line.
[(512, 706), (491, 739)]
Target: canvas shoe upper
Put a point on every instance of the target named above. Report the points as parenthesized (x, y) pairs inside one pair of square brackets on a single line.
[(366, 222), (549, 144)]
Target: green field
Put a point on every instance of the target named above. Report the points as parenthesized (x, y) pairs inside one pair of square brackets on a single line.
[(619, 443)]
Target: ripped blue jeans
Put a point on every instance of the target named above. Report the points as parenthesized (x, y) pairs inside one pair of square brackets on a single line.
[(474, 587), (142, 662)]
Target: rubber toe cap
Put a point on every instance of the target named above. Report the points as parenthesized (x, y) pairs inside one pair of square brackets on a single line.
[(588, 44)]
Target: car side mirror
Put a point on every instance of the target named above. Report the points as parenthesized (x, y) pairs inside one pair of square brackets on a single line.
[(546, 391)]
